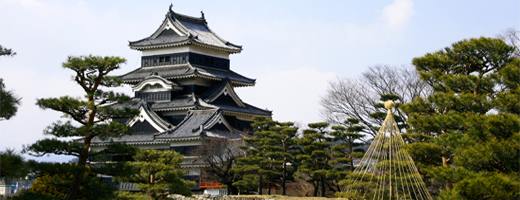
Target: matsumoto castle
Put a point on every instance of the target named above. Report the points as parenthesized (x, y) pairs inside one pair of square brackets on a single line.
[(185, 92)]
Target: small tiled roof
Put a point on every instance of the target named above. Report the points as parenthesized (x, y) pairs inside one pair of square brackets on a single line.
[(195, 123), (190, 126), (182, 71), (249, 109), (178, 29)]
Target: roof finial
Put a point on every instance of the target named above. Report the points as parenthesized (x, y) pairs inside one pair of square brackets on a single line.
[(170, 8), (202, 14)]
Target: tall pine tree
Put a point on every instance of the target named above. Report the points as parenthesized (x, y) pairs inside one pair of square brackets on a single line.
[(345, 137), (86, 118), (269, 155), (471, 123), (158, 173), (315, 156), (283, 151)]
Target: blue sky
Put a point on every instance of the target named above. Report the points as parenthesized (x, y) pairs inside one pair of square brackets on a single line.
[(293, 48)]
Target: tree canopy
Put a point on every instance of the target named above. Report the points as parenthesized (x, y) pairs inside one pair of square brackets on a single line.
[(86, 118), (6, 51), (470, 125), (8, 102), (158, 173), (269, 159)]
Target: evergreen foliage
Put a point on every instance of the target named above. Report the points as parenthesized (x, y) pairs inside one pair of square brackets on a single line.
[(6, 51), (315, 156), (343, 143), (269, 160), (8, 101), (470, 125), (158, 173), (86, 118), (12, 165), (114, 159)]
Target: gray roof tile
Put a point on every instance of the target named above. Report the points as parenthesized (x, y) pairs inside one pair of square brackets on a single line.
[(193, 31), (190, 126), (186, 71)]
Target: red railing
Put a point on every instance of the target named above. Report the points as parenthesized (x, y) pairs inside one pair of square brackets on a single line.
[(210, 185)]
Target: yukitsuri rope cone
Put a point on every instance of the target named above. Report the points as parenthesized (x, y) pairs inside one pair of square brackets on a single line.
[(386, 171)]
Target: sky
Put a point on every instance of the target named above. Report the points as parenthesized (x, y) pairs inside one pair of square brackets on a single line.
[(294, 48)]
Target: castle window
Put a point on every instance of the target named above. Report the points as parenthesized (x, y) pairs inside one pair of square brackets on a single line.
[(154, 96)]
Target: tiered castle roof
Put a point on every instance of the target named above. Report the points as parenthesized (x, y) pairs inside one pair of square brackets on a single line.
[(187, 71), (180, 30), (184, 88)]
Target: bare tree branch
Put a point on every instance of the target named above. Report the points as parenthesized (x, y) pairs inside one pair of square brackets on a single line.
[(358, 99)]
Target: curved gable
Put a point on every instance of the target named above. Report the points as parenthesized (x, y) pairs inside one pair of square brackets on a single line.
[(146, 115), (155, 83), (225, 90)]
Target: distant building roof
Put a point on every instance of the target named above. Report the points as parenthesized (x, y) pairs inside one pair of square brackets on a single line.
[(179, 30)]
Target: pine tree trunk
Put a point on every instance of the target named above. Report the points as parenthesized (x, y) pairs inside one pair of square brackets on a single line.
[(269, 189), (284, 177), (316, 188), (260, 184), (323, 189), (351, 149), (83, 156), (232, 189), (82, 161)]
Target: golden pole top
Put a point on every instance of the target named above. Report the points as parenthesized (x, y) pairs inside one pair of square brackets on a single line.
[(389, 104)]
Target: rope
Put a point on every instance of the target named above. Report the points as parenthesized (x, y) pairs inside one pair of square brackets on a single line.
[(387, 171)]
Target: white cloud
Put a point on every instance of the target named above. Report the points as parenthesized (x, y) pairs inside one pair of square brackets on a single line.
[(397, 14), (292, 94)]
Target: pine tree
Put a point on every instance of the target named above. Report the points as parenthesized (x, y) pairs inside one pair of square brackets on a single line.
[(315, 156), (471, 123), (158, 173), (12, 166), (342, 146), (255, 168), (86, 119), (282, 151), (8, 101), (6, 51), (268, 154)]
